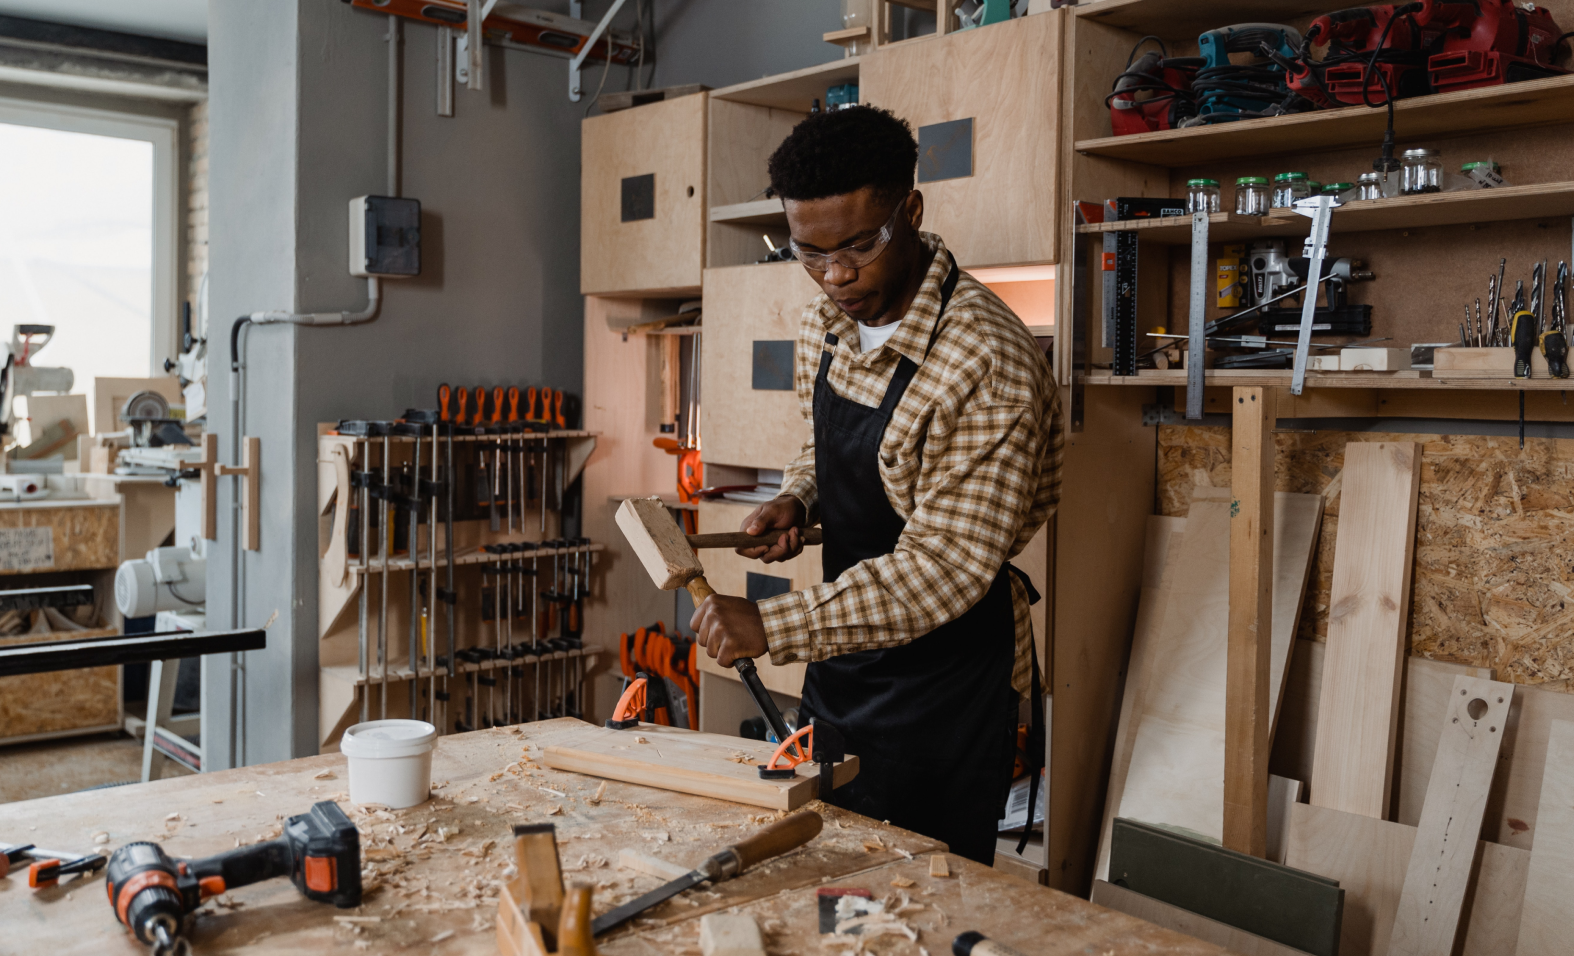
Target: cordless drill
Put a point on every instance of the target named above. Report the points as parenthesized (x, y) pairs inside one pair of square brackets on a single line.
[(152, 892)]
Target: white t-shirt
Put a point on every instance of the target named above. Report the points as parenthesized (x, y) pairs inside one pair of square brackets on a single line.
[(871, 337)]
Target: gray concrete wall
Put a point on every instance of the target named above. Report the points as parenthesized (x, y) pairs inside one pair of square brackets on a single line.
[(297, 128)]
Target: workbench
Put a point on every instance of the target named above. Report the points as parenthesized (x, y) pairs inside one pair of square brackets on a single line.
[(433, 872)]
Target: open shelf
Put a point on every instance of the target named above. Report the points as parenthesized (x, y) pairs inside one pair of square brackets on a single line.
[(1191, 18), (1531, 103), (764, 212), (794, 91), (1281, 378), (350, 673), (476, 556), (1544, 201)]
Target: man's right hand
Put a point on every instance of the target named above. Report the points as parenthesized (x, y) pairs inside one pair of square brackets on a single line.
[(785, 513)]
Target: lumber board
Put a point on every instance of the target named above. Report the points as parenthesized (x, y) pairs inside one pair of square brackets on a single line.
[(1163, 914), (1369, 858), (1438, 875), (1163, 539), (1358, 712), (1248, 711), (1546, 922), (1175, 775), (1288, 906), (670, 758)]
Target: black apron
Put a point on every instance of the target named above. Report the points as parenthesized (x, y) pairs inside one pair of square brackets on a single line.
[(933, 722)]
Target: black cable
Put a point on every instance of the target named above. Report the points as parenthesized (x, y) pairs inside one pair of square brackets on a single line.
[(240, 323)]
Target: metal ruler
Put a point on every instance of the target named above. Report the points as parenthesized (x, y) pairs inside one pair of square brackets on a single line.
[(1197, 319), (1125, 303), (1321, 210)]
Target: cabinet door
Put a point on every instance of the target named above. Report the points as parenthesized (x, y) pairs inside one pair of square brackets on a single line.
[(985, 105), (751, 322), (642, 197)]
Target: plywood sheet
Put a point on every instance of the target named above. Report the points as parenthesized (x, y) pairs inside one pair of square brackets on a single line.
[(1369, 858), (707, 765), (666, 252), (992, 217), (1358, 711), (1490, 584), (1176, 771), (1159, 913), (59, 702), (742, 425), (85, 537), (1547, 920), (1430, 905)]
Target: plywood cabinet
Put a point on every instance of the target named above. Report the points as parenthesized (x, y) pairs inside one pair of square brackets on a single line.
[(985, 105), (642, 194), (751, 320)]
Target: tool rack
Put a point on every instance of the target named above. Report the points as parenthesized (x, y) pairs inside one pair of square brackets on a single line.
[(481, 688), (1430, 254)]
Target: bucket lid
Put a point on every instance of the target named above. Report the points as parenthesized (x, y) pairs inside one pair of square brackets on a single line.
[(388, 738)]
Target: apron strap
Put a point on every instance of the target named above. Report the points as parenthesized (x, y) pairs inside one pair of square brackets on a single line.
[(1035, 732)]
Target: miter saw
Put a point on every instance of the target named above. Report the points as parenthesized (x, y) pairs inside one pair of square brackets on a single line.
[(21, 378)]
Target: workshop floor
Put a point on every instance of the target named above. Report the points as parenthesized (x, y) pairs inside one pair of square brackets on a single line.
[(54, 767)]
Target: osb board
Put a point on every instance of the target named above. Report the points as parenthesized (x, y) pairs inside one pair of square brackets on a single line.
[(86, 537), (59, 702), (728, 573), (420, 885), (1491, 581), (1006, 212), (1010, 911), (666, 252), (745, 304)]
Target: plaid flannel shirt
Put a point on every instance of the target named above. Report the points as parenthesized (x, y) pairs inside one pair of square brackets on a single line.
[(970, 460)]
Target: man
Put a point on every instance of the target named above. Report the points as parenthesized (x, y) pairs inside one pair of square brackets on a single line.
[(935, 457)]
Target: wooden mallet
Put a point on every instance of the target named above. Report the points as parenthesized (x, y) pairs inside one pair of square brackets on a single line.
[(668, 557)]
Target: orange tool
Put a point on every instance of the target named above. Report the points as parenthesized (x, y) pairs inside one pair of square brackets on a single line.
[(463, 396), (444, 394), (497, 405), (480, 406), (557, 409), (513, 403), (630, 706)]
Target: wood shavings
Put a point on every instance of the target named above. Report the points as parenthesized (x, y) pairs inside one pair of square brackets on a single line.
[(357, 919), (738, 756), (879, 924), (872, 844), (445, 934), (382, 853), (601, 791), (172, 817), (495, 777), (938, 866), (905, 855), (325, 775), (555, 793), (555, 811), (101, 838), (902, 881), (656, 836)]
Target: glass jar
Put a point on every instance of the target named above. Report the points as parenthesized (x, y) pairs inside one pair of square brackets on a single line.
[(1421, 171), (1369, 186), (1345, 191), (1202, 194), (1288, 187), (1251, 196)]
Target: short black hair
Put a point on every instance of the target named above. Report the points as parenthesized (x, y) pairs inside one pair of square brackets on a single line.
[(842, 151)]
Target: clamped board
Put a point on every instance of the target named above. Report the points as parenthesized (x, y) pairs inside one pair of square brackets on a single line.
[(152, 892), (820, 743)]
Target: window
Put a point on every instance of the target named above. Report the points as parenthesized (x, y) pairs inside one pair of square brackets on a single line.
[(88, 237)]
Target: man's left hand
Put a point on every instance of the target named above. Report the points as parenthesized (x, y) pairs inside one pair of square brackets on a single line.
[(729, 628)]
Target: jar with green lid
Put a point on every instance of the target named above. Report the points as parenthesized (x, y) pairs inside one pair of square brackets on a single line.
[(1252, 196), (1202, 194), (1344, 191), (1288, 187)]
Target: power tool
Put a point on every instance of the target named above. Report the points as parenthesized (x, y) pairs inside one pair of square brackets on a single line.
[(1273, 274), (152, 892), (1363, 57), (1153, 93), (1227, 90), (1555, 341), (1489, 42)]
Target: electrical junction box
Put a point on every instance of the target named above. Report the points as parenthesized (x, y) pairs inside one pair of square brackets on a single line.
[(385, 236)]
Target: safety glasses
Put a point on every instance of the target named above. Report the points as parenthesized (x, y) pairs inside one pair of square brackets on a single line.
[(855, 256)]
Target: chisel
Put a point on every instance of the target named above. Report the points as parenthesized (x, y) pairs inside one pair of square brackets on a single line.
[(496, 430), (781, 837)]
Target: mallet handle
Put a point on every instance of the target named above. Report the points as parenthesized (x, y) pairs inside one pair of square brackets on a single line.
[(737, 539)]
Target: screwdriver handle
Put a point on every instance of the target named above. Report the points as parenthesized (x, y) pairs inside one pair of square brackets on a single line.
[(557, 409), (444, 394), (497, 405), (530, 394), (513, 403), (480, 405), (463, 400)]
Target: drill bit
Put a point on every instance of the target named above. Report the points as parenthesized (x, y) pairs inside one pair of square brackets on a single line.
[(1478, 323)]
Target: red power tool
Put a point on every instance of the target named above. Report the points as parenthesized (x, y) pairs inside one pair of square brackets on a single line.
[(1153, 93), (1362, 56), (152, 892), (1489, 42)]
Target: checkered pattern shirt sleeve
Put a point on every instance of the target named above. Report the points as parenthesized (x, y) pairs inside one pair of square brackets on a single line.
[(971, 460)]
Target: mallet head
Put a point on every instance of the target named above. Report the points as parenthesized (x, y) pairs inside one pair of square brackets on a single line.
[(658, 542)]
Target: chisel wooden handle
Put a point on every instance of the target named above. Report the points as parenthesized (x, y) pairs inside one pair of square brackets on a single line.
[(699, 589), (737, 539), (788, 833)]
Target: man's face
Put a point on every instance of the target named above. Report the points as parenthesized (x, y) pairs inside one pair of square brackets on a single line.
[(825, 225)]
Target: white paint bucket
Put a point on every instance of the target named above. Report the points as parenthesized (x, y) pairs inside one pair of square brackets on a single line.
[(390, 762)]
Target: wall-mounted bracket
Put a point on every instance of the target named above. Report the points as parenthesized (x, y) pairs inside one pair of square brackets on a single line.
[(590, 44), (250, 471)]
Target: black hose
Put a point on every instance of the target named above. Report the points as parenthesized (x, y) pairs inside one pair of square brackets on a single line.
[(235, 341)]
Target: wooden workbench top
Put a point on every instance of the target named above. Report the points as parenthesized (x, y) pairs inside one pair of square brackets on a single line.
[(433, 872)]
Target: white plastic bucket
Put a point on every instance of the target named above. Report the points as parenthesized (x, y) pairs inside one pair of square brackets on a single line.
[(390, 762)]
